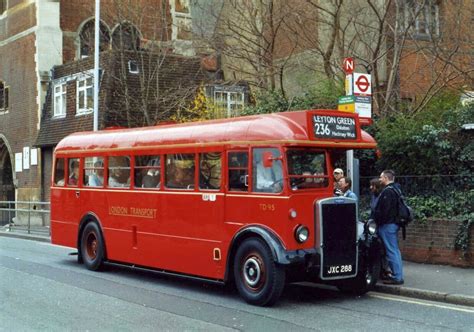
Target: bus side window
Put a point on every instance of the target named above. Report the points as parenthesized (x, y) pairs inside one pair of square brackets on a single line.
[(59, 173), (180, 171), (119, 172), (73, 179), (238, 171), (210, 170), (93, 172), (147, 172), (267, 179)]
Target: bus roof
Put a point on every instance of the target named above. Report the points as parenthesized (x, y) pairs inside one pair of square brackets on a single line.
[(290, 128)]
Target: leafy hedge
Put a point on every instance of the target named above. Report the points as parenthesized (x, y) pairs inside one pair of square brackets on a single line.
[(429, 142)]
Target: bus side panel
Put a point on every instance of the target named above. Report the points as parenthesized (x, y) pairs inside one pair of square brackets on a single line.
[(270, 212), (64, 219), (175, 231), (190, 228)]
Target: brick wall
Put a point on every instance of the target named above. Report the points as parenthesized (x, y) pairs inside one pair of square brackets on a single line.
[(145, 15), (19, 125), (433, 242)]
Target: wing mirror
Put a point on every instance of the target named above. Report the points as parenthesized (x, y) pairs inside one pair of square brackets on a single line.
[(268, 159)]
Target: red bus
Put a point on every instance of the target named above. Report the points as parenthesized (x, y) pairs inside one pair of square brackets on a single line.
[(246, 200)]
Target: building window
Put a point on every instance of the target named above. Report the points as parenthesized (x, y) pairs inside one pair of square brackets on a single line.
[(4, 98), (87, 38), (229, 102), (126, 37), (421, 18), (182, 20), (85, 95), (60, 100), (133, 67), (3, 6)]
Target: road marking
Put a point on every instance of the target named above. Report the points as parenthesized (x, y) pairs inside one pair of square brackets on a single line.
[(392, 298)]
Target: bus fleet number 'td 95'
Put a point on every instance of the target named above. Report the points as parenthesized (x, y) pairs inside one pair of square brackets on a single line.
[(267, 207)]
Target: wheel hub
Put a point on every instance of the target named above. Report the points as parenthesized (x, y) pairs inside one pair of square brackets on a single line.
[(252, 272), (91, 245)]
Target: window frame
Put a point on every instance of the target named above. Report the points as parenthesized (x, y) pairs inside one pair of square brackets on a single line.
[(62, 94), (201, 173), (238, 168), (260, 151), (6, 98), (427, 15), (89, 166), (3, 7), (57, 182), (167, 168), (69, 171), (322, 181), (109, 170), (228, 102), (79, 89), (147, 167), (179, 17)]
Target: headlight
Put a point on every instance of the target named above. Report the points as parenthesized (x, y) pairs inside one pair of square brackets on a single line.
[(371, 227), (301, 234)]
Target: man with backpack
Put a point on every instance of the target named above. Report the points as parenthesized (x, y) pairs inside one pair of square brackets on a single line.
[(386, 216)]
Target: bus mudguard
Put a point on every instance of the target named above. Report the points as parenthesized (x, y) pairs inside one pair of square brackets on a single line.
[(281, 255)]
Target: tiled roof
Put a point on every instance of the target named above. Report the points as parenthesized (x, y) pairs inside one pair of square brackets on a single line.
[(177, 80)]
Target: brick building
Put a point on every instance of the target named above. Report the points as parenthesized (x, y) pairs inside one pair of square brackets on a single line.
[(30, 44), (130, 98), (45, 49)]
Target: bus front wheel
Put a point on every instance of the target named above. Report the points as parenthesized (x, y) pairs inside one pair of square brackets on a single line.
[(92, 247), (259, 280)]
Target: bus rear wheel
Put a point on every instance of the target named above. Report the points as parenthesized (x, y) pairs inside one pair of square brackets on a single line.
[(259, 280), (92, 247)]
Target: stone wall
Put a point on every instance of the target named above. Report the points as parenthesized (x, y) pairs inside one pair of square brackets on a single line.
[(433, 242)]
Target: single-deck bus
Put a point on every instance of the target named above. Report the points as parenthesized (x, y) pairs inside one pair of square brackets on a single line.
[(247, 200)]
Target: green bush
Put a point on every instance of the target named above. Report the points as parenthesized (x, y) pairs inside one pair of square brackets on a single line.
[(425, 144)]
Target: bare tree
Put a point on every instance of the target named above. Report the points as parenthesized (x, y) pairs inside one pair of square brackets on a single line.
[(386, 36), (251, 36)]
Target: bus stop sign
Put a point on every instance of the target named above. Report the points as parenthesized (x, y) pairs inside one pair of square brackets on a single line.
[(348, 65)]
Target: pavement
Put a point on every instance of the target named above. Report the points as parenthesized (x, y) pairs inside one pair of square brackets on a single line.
[(441, 283)]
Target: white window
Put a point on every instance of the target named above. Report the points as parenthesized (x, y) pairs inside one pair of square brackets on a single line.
[(133, 67), (182, 20), (229, 101), (4, 98), (60, 100), (85, 95), (422, 18)]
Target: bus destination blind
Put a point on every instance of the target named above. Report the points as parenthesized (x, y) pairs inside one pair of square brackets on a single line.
[(336, 127)]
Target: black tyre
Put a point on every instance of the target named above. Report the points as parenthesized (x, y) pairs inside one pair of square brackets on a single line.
[(259, 280), (364, 281), (92, 247)]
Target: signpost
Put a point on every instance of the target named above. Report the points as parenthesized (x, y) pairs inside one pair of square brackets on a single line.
[(358, 99)]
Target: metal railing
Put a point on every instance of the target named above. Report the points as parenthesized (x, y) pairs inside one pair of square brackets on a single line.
[(30, 216)]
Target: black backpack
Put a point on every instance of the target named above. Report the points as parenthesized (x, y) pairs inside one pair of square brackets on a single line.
[(404, 213)]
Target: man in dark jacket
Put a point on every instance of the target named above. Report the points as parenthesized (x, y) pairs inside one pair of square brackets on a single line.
[(385, 216)]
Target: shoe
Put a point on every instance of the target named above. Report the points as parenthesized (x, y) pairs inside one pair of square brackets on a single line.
[(386, 276), (393, 282)]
